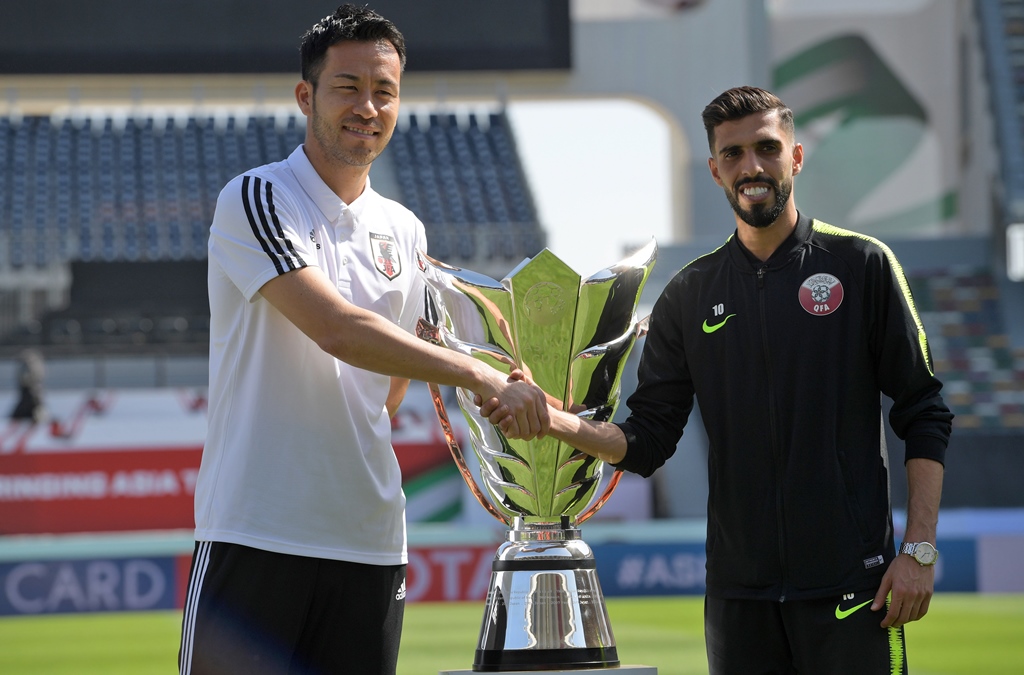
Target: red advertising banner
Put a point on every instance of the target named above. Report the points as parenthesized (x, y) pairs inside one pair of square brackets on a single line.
[(449, 573), (96, 491), (128, 460), (105, 462)]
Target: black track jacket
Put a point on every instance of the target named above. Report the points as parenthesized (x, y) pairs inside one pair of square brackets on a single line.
[(787, 359)]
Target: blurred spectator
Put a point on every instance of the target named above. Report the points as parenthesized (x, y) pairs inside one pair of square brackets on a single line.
[(30, 387)]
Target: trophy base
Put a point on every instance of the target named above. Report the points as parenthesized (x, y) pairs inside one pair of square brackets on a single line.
[(580, 659), (545, 609), (614, 670)]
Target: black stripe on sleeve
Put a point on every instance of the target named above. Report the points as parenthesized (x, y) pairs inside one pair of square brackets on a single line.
[(299, 262), (253, 224), (256, 213), (275, 238)]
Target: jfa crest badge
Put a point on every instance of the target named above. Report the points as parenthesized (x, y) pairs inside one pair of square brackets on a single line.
[(385, 255), (821, 294)]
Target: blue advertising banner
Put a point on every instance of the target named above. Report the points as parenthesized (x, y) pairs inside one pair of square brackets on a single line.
[(956, 570), (47, 586), (678, 569), (97, 585), (651, 569)]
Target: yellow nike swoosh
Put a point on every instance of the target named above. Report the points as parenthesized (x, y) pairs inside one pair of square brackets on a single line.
[(843, 613), (711, 329)]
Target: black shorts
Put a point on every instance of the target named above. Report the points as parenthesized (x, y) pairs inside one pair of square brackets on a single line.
[(256, 612), (831, 636)]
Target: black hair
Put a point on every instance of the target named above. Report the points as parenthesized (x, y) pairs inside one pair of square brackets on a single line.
[(348, 22), (739, 102)]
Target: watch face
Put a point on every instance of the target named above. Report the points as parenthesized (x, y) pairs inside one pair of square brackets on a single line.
[(925, 553)]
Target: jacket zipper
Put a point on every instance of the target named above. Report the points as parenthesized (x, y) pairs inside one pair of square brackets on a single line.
[(773, 432)]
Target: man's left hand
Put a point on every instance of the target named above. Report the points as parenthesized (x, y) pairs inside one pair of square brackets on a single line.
[(911, 585)]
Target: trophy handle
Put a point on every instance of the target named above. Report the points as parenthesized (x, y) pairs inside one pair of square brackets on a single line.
[(642, 327), (460, 460), (613, 483)]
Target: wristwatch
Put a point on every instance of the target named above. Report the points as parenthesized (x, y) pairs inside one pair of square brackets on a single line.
[(924, 553)]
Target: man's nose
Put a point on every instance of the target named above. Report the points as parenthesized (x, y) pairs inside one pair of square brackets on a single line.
[(365, 107), (751, 165)]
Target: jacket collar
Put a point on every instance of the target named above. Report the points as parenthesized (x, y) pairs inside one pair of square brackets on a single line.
[(792, 245)]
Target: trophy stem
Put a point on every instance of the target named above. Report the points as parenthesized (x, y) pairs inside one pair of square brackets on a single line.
[(545, 609)]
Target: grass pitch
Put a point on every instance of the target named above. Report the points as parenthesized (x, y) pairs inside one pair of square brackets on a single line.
[(962, 635)]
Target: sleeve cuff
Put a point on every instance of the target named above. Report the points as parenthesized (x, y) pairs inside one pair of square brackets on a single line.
[(926, 447), (628, 462)]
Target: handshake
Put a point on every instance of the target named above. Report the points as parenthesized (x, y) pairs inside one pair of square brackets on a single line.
[(520, 409)]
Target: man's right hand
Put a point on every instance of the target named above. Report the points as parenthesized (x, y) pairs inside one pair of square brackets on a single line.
[(519, 405), (598, 439)]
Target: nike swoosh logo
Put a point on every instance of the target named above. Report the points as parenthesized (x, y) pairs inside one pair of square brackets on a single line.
[(843, 613), (711, 329)]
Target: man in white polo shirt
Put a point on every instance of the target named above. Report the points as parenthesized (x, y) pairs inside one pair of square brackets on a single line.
[(300, 518)]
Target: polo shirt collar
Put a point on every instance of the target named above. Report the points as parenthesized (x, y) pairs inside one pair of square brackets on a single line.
[(323, 196)]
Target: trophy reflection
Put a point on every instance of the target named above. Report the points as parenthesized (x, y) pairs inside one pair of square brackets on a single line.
[(572, 336)]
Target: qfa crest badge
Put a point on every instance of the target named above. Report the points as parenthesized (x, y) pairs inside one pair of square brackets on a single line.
[(821, 294), (385, 255)]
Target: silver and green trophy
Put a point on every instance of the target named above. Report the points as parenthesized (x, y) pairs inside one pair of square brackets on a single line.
[(572, 336)]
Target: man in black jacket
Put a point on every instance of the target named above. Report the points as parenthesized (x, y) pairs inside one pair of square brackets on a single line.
[(787, 335)]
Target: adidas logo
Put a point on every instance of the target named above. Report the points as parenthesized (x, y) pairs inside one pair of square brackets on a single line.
[(400, 595)]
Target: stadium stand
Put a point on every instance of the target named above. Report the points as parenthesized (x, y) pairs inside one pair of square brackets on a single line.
[(115, 187), (1002, 28), (976, 331), (122, 186), (462, 176), (983, 376)]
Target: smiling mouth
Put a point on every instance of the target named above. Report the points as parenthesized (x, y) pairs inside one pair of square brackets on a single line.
[(369, 133), (756, 188)]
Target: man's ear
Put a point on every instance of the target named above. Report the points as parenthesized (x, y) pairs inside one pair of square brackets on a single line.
[(798, 158), (713, 167), (304, 97)]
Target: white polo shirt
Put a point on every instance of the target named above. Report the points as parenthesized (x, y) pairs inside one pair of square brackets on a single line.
[(298, 455)]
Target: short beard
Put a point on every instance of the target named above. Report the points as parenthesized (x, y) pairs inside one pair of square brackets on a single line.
[(761, 216), (328, 138)]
